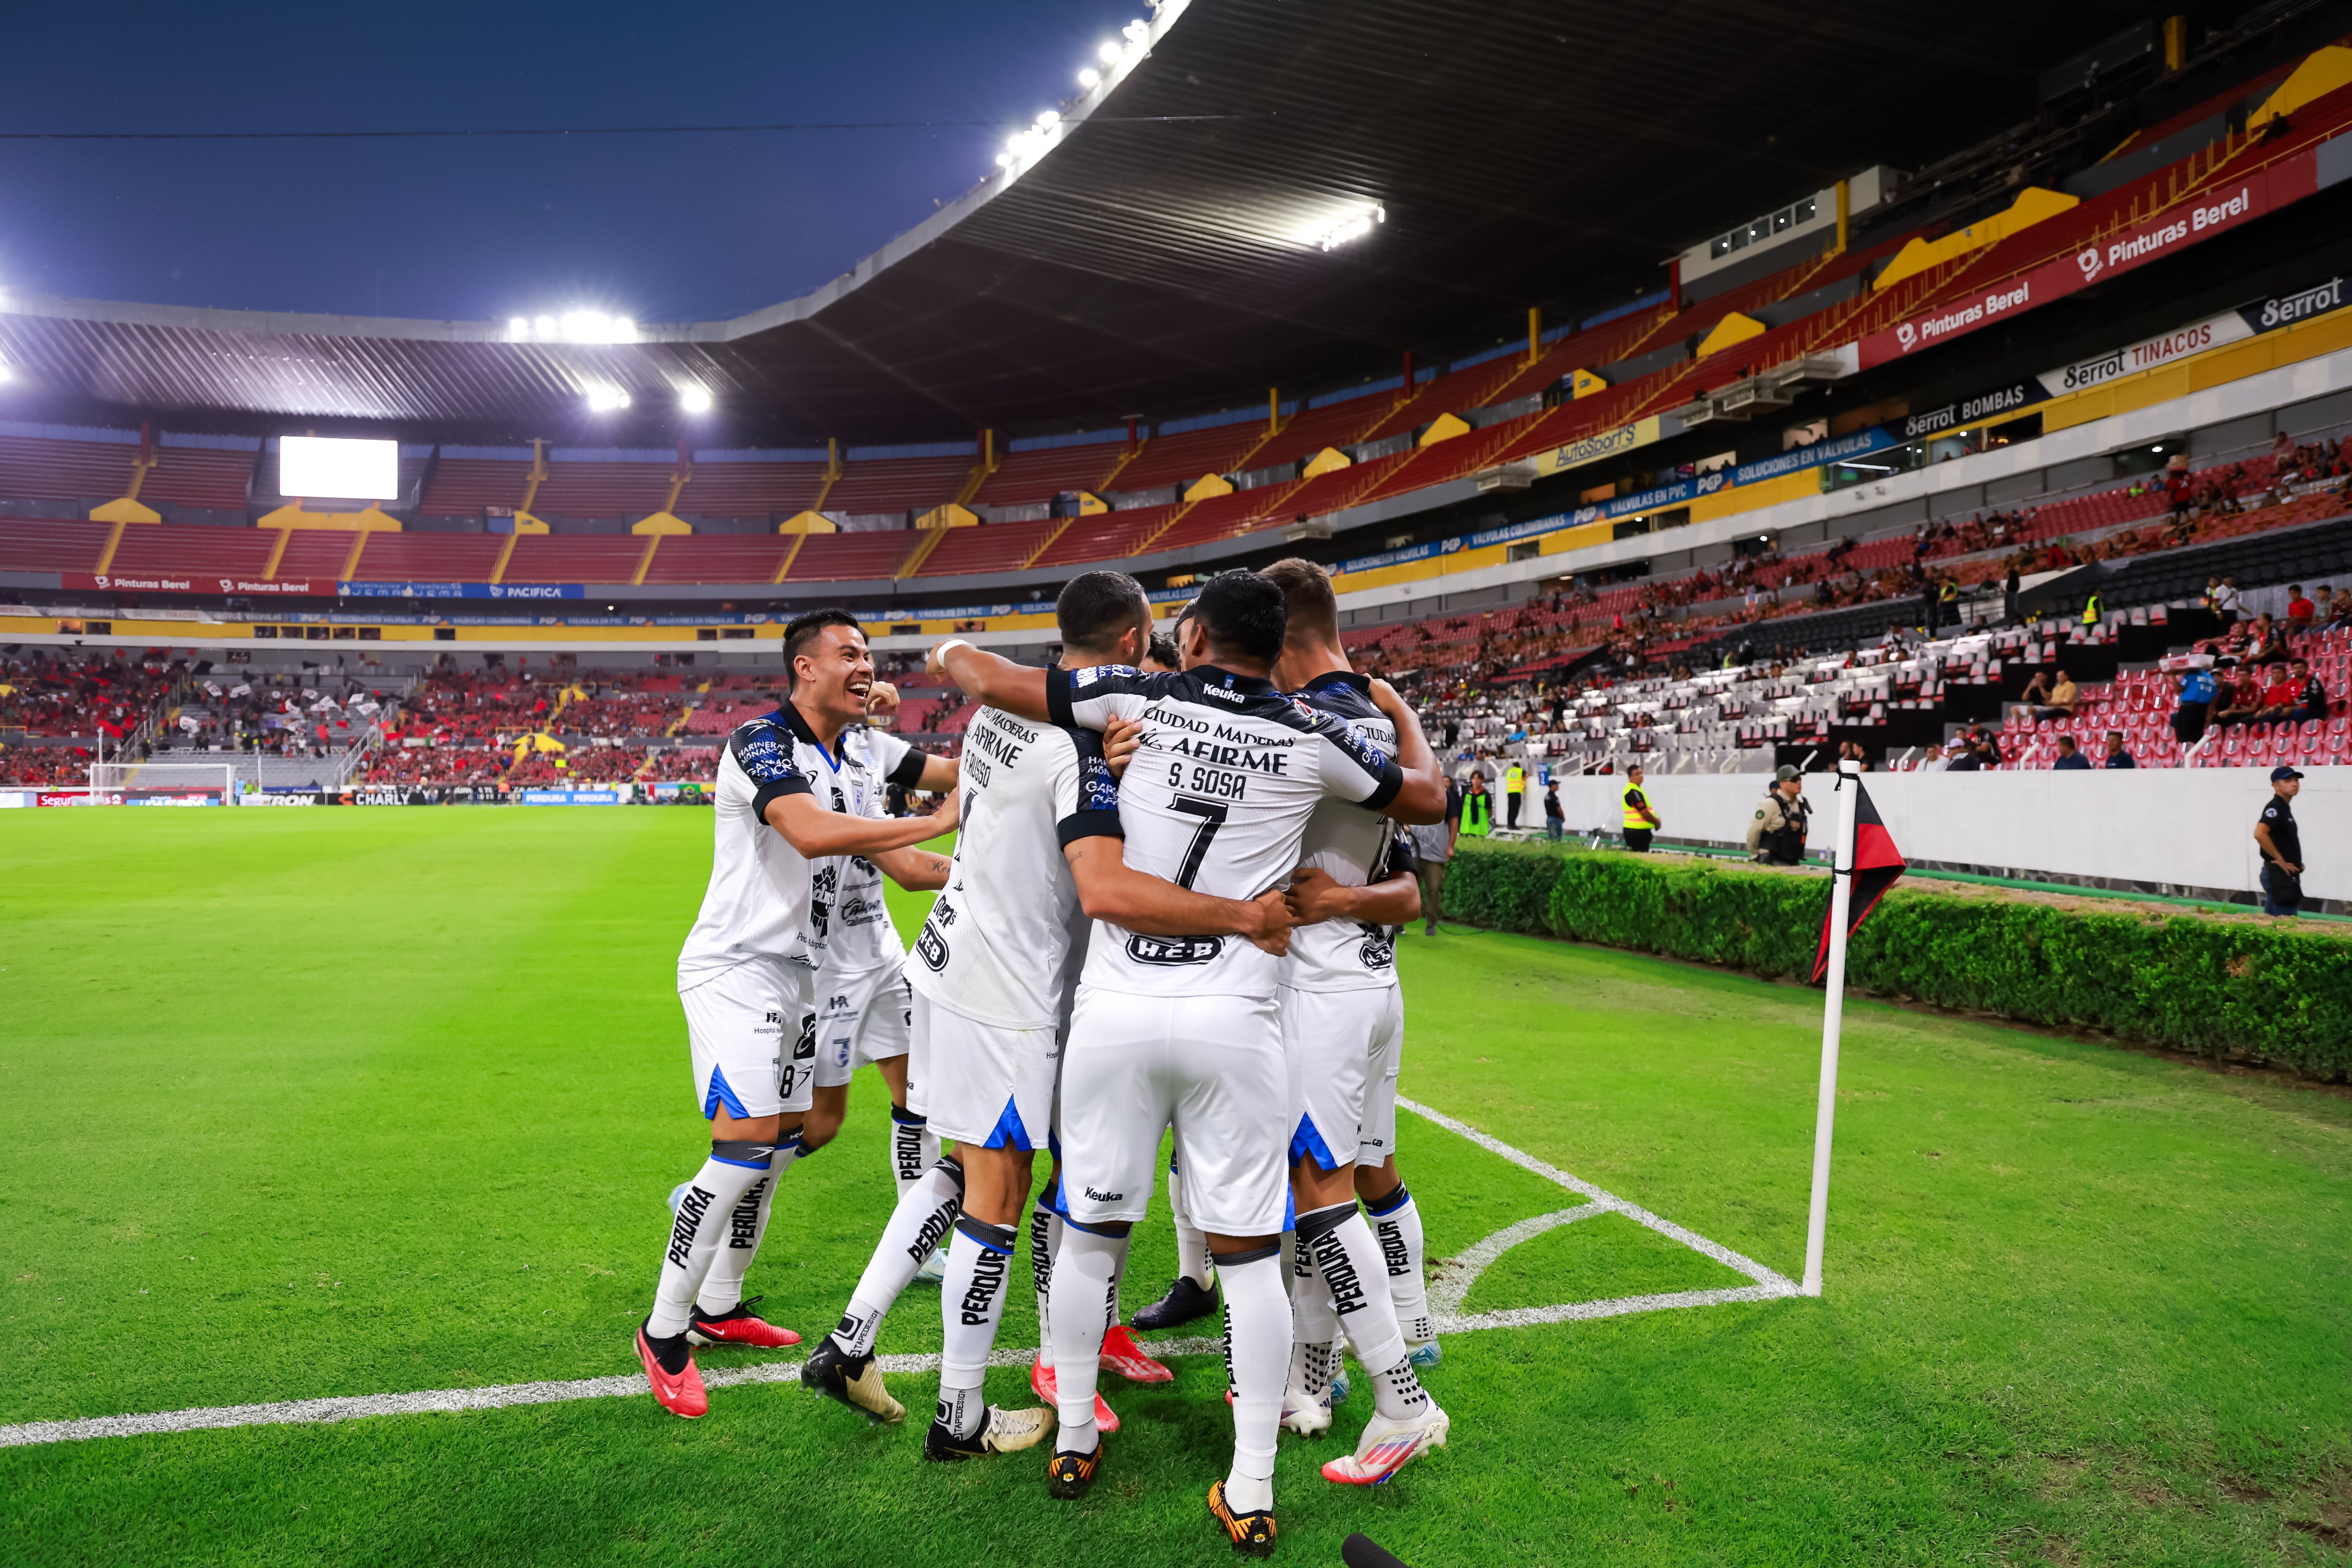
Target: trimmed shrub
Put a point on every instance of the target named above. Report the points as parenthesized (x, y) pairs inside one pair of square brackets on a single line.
[(2212, 985)]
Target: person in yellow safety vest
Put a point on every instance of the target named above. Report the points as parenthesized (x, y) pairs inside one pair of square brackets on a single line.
[(2091, 610), (1515, 791), (1640, 818), (1477, 808)]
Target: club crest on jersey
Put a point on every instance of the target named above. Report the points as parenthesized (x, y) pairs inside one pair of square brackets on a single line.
[(1174, 949), (1379, 951), (932, 948)]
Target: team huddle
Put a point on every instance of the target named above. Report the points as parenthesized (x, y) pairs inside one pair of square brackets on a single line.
[(1171, 907)]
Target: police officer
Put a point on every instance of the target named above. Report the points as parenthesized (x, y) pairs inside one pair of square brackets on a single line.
[(1640, 818), (2282, 845), (1777, 832)]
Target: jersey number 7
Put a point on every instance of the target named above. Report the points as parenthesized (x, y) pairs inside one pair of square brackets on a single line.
[(1212, 817)]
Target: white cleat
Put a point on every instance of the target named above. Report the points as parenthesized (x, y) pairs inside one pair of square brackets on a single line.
[(1388, 1446), (1424, 1353), (1309, 1417)]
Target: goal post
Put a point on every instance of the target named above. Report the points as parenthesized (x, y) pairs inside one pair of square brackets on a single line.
[(165, 783)]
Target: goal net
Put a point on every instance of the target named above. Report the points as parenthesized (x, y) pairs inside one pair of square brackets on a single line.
[(165, 783)]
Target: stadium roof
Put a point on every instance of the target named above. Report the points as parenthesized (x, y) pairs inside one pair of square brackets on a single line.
[(1524, 153)]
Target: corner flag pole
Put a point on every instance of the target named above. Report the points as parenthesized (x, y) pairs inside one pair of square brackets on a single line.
[(1849, 789)]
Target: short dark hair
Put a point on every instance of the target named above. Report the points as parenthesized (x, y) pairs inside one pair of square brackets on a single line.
[(1306, 590), (802, 629), (1164, 651), (1094, 607), (2065, 743), (1244, 616)]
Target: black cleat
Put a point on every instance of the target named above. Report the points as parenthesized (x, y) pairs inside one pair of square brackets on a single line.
[(1251, 1533), (1069, 1475), (855, 1380), (1185, 1301)]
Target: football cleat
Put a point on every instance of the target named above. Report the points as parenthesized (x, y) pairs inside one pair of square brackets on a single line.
[(1307, 1418), (737, 1325), (1339, 1395), (1042, 1382), (1121, 1354), (934, 1270), (677, 1194), (1424, 1355), (1069, 1475), (669, 1367), (1388, 1446), (1000, 1432), (1185, 1301), (855, 1380), (1251, 1533)]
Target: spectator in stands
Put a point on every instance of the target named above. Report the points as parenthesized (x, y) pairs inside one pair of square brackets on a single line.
[(2225, 601), (2297, 697), (2194, 707), (2116, 755), (2299, 610), (2323, 605), (1555, 814), (2043, 698), (2266, 644), (2069, 758), (1776, 834), (2282, 845), (2241, 697)]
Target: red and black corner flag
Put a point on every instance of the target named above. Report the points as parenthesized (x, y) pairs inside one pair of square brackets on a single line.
[(1876, 863)]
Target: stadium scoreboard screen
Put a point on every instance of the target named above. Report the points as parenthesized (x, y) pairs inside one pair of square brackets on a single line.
[(334, 467)]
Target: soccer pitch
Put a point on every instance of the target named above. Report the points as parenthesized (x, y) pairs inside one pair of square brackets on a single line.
[(309, 1105)]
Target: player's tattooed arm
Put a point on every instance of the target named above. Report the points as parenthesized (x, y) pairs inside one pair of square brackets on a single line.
[(916, 870), (1016, 689), (1423, 799), (1109, 889), (817, 832), (1316, 896)]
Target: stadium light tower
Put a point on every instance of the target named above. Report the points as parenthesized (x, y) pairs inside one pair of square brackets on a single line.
[(695, 400), (606, 399)]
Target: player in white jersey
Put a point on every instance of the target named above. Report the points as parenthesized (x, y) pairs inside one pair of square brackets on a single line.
[(1039, 844), (1216, 800), (743, 979), (862, 1002), (1343, 1034)]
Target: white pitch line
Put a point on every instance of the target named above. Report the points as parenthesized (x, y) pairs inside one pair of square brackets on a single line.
[(1769, 1286), (1773, 1282)]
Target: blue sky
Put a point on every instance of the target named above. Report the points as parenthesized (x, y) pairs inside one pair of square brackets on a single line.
[(663, 228)]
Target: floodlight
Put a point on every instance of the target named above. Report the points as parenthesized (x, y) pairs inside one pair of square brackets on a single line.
[(1090, 77), (1137, 31), (1004, 160), (1048, 119), (1109, 54), (695, 400), (624, 329), (546, 324), (6, 375), (518, 326), (605, 400)]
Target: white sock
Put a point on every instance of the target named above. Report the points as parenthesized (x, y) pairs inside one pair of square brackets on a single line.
[(914, 1150), (1191, 1242), (1396, 1226), (1257, 1357), (1313, 1325), (702, 1222), (926, 1210), (1083, 1272), (971, 1305), (1044, 1241), (722, 1288), (1350, 1263)]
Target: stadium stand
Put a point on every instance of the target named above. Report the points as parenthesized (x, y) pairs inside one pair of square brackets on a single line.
[(473, 486), (431, 557), (851, 557), (1024, 479), (992, 546)]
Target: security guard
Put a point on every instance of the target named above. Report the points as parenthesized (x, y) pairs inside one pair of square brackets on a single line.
[(2090, 609), (1641, 820), (2281, 841), (1515, 789), (1777, 832)]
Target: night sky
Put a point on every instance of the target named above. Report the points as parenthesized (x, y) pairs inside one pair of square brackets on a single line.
[(668, 228)]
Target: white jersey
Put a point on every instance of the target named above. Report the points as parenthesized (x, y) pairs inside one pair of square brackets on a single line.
[(997, 948), (1356, 847), (1216, 800), (757, 905), (849, 920)]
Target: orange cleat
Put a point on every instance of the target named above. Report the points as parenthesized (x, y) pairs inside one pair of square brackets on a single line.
[(677, 1386), (1041, 1382), (1121, 1354)]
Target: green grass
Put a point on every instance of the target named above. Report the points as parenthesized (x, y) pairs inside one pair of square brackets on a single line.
[(341, 1102)]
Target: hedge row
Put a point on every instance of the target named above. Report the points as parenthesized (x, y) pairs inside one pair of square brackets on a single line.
[(2216, 985)]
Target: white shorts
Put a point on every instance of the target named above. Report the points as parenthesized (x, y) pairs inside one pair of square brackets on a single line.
[(738, 1023), (983, 1084), (860, 1017), (1213, 1066), (1376, 1134), (1335, 1045)]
